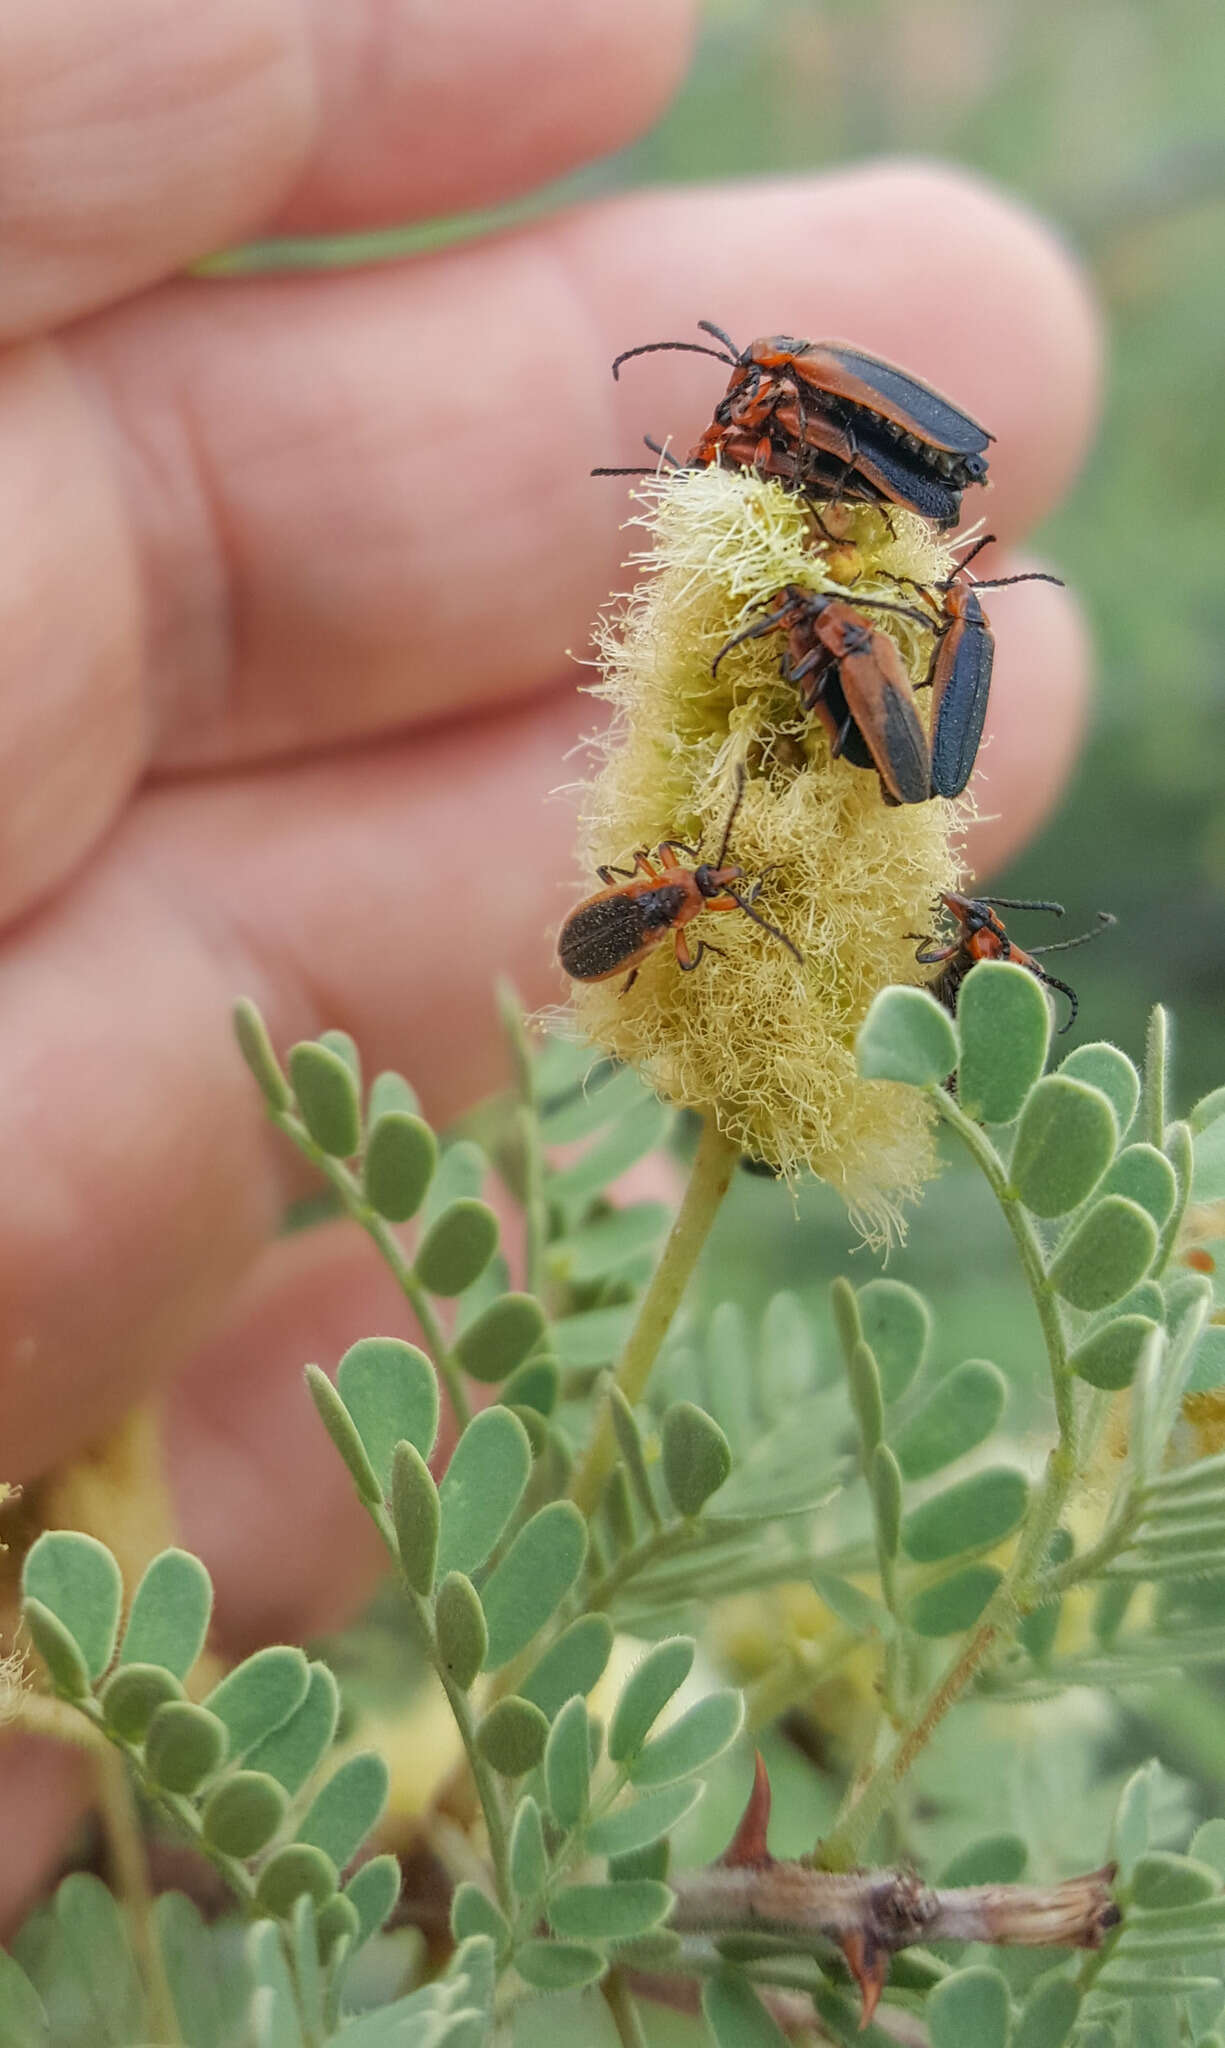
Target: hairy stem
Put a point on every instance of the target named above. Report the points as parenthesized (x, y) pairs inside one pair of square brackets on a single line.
[(709, 1181), (619, 2000), (1002, 1615), (358, 1208)]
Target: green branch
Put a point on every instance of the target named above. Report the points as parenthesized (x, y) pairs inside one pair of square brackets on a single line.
[(999, 1621), (709, 1181)]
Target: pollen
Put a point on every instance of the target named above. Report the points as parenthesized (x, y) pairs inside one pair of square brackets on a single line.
[(761, 1042)]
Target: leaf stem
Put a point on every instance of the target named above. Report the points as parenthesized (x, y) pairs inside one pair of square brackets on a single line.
[(866, 1802), (358, 1208), (619, 2000), (709, 1181)]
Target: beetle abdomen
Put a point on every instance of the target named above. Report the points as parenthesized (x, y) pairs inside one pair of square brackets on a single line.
[(610, 932)]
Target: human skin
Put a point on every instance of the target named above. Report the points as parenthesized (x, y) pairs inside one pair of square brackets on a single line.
[(288, 569)]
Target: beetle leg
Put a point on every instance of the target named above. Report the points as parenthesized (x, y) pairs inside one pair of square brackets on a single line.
[(628, 983), (936, 957), (675, 846)]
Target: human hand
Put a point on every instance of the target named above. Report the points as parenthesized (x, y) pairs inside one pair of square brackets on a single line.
[(290, 566)]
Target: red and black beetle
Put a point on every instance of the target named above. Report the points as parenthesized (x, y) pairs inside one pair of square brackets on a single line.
[(960, 674), (625, 921), (980, 935), (852, 677), (825, 416)]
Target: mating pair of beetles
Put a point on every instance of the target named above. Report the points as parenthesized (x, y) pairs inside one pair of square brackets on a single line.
[(833, 423)]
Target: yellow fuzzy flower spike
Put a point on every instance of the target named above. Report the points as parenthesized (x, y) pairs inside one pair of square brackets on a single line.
[(762, 1043)]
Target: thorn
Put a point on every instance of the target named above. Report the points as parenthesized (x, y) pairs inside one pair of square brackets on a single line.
[(869, 1966), (748, 1844)]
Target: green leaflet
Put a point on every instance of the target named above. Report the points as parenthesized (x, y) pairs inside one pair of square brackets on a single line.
[(558, 1965), (571, 1665), (697, 1458), (691, 1742), (996, 1859), (970, 2009), (258, 1695), (459, 1624), (532, 1579), (641, 1822), (170, 1614), (1065, 1141), (646, 1693), (735, 2014), (503, 1336), (327, 1097), (1048, 2014), (391, 1392), (1104, 1066), (132, 1695), (415, 1516), (955, 1603), (293, 1872), (567, 1764), (347, 1808), (906, 1036), (960, 1412), (474, 1912), (1145, 1176), (78, 1581), (256, 1049), (243, 1813), (481, 1488), (1109, 1358), (528, 1860), (401, 1154), (970, 1515), (457, 1247), (296, 1748), (896, 1324), (1105, 1254), (373, 1891), (184, 1746), (1004, 1023), (610, 1912), (512, 1736)]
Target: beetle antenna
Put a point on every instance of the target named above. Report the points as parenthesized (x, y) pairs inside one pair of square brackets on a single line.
[(1053, 981), (639, 469), (765, 924), (987, 540), (741, 781), (1105, 918), (1023, 903), (757, 631), (661, 449), (720, 334), (1027, 576), (695, 348)]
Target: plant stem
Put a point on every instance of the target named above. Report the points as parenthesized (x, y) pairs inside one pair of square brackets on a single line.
[(620, 2003), (358, 1208), (130, 1876), (461, 1708), (865, 1804), (709, 1181)]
